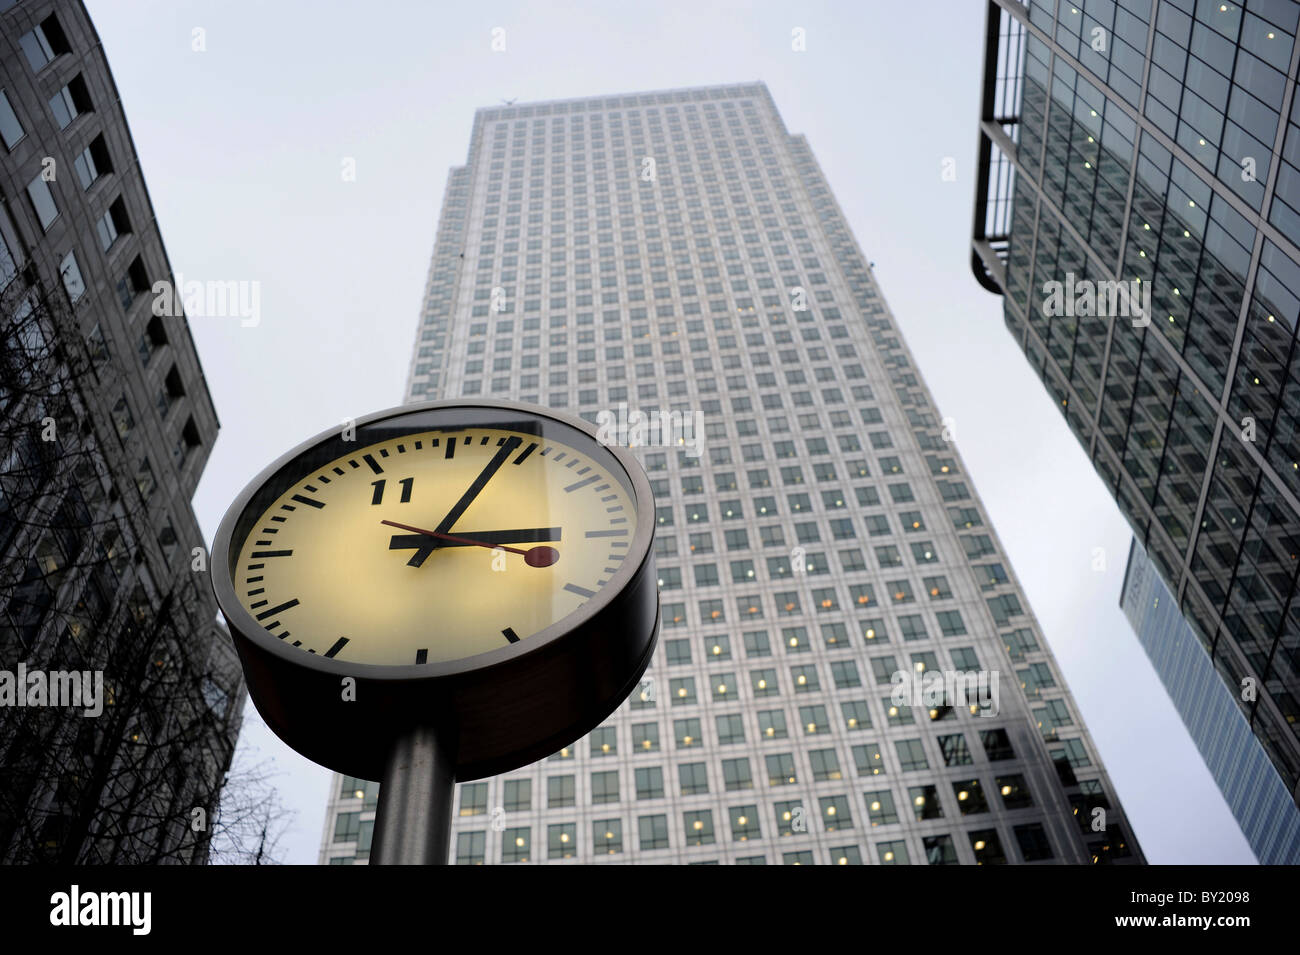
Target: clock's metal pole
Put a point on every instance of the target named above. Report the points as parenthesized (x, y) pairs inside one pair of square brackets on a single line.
[(413, 821)]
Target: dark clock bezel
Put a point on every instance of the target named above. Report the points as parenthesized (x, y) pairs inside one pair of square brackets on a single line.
[(587, 658)]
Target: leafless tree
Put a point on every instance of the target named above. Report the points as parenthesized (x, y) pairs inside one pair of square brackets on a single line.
[(87, 583)]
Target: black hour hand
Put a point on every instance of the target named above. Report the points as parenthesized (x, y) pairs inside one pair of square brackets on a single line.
[(421, 543), (514, 535), (424, 544)]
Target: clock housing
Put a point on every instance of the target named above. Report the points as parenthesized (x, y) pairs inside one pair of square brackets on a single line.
[(494, 709)]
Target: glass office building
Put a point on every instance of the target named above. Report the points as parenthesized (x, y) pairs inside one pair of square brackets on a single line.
[(1251, 786), (1152, 147), (680, 250)]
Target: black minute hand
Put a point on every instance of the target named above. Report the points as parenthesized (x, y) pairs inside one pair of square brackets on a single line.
[(480, 482)]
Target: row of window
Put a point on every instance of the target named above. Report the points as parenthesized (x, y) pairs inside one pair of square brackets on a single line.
[(717, 648), (779, 769), (652, 834)]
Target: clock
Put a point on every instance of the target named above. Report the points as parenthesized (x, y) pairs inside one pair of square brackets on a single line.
[(481, 568)]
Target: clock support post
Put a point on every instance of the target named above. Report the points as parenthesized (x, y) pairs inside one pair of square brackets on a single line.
[(413, 819)]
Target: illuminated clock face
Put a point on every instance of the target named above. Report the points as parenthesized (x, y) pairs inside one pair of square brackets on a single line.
[(435, 546)]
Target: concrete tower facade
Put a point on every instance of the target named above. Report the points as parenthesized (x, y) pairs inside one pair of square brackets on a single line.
[(818, 542)]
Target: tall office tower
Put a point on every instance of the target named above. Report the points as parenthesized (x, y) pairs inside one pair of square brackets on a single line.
[(1152, 147), (680, 250), (105, 426), (1251, 786)]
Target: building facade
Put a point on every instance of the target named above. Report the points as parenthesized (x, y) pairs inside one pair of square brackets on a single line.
[(105, 426), (1137, 209), (1258, 798), (817, 540)]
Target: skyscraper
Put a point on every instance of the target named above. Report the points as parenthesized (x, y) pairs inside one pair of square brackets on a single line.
[(105, 426), (1137, 209), (1251, 786), (817, 542)]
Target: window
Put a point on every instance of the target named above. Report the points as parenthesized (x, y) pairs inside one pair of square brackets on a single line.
[(604, 786), (955, 750), (845, 674), (744, 823), (717, 647), (892, 853), (518, 795), (867, 759), (764, 683), (970, 797), (825, 765), (835, 812), (736, 774), (471, 848), (645, 737), (473, 798), (1033, 842), (560, 791), (134, 282), (38, 191), (11, 130), (112, 224), (1004, 607), (561, 840), (688, 733), (790, 817), (515, 844), (682, 690), (835, 635), (44, 42), (694, 778), (787, 603), (701, 543), (699, 827), (607, 836), (923, 552), (674, 614), (1036, 677), (888, 556), (347, 826), (901, 493), (1014, 792), (649, 782), (939, 850), (70, 102), (996, 745), (911, 755), (1053, 716), (731, 728), (880, 807), (653, 831), (813, 719), (852, 560), (71, 273), (805, 678), (795, 639), (987, 847), (144, 478)]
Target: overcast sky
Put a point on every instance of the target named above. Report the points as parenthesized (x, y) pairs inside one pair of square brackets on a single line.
[(242, 144)]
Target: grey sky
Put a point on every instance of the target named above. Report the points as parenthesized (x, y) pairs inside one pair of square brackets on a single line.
[(242, 147)]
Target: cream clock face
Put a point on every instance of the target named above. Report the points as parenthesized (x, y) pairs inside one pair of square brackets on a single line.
[(436, 546)]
